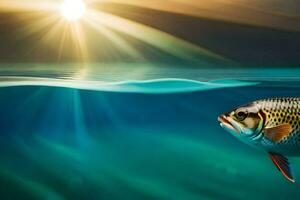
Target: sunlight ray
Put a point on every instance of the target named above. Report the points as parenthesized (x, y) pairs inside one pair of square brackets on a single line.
[(154, 37), (238, 11), (80, 41), (114, 38)]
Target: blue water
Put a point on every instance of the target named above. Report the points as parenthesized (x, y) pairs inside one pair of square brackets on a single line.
[(150, 138)]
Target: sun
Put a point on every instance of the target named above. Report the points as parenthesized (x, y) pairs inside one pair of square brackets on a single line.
[(72, 10)]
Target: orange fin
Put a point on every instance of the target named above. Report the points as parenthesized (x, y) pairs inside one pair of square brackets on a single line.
[(283, 165), (277, 133)]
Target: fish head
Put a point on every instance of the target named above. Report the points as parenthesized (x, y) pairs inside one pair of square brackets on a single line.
[(245, 121)]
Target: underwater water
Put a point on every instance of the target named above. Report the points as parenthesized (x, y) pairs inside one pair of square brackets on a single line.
[(152, 138)]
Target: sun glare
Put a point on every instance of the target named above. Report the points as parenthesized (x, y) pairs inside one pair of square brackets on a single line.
[(72, 10)]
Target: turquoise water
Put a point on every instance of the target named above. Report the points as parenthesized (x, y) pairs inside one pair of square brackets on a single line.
[(151, 137)]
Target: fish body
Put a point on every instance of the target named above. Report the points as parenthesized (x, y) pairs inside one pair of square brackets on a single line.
[(272, 125), (280, 111)]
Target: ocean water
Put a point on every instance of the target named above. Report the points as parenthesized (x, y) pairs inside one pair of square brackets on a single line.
[(151, 137)]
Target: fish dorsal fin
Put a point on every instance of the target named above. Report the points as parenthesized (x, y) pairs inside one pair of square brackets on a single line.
[(283, 165), (277, 133)]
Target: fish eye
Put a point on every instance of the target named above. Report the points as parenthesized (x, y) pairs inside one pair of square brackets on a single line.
[(241, 115)]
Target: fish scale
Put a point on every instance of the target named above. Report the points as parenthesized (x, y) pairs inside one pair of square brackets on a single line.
[(279, 111)]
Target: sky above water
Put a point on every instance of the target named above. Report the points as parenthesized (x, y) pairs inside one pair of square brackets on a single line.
[(186, 33)]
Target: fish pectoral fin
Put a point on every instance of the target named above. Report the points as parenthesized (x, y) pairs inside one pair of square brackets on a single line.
[(278, 133), (283, 165)]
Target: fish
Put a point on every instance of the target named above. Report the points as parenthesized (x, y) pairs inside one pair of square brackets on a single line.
[(271, 125)]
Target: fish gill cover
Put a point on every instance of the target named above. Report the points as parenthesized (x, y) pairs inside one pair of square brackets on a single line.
[(119, 99)]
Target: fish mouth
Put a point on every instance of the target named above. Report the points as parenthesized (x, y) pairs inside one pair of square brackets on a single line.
[(225, 123)]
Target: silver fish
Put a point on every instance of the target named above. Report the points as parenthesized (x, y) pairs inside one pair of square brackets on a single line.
[(272, 125)]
